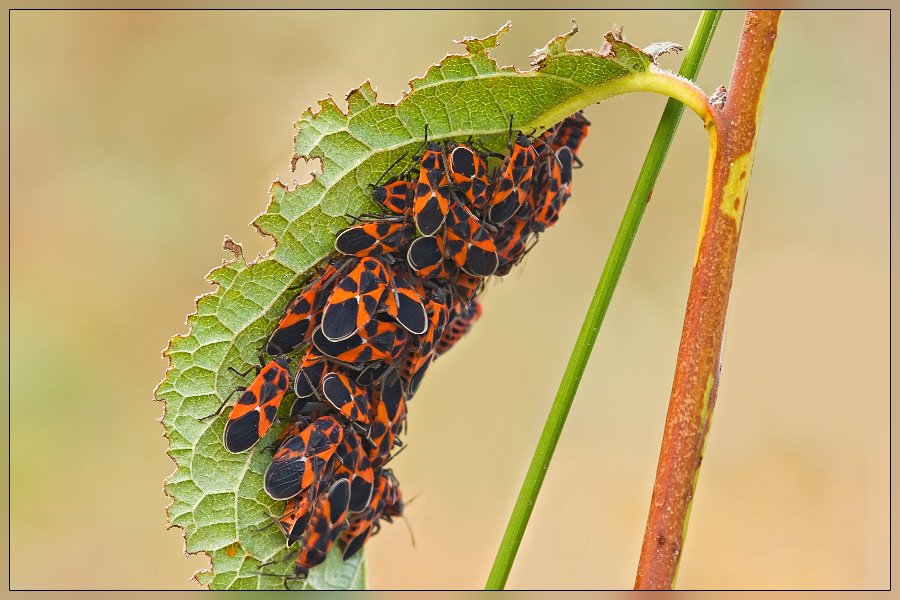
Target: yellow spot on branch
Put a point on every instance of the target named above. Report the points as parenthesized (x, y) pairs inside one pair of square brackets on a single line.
[(735, 190)]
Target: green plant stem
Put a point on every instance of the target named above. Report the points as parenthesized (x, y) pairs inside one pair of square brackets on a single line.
[(659, 147)]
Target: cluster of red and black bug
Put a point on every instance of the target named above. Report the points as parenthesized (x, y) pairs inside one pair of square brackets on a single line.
[(400, 291)]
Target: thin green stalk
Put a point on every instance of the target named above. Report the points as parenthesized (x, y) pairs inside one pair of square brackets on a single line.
[(656, 155)]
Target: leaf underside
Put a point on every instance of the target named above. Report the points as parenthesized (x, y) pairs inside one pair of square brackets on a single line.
[(217, 497)]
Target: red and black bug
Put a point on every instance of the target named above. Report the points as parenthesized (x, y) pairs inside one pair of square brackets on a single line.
[(555, 183), (468, 172), (404, 303), (381, 434), (426, 257), (421, 354), (312, 369), (432, 191), (374, 238), (393, 400), (363, 481), (381, 339), (302, 314), (467, 286), (354, 465), (327, 521), (469, 243), (514, 180), (303, 459), (365, 524), (354, 300), (309, 382), (395, 196), (566, 158), (512, 244), (349, 399), (254, 412), (460, 322), (386, 503), (295, 427), (289, 476), (546, 185), (359, 531), (393, 499), (569, 133), (414, 369), (297, 512)]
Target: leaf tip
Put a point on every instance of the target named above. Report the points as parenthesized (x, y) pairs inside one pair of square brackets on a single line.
[(361, 98), (555, 47), (659, 48), (203, 576), (475, 45), (612, 38), (366, 90)]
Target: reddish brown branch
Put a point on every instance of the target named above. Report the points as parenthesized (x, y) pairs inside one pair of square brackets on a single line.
[(697, 370)]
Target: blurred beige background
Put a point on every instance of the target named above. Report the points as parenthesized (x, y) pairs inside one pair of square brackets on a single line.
[(140, 139)]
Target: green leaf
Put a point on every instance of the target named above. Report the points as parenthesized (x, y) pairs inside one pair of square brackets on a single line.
[(218, 497)]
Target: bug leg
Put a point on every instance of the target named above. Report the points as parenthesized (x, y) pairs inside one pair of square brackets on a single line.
[(224, 402)]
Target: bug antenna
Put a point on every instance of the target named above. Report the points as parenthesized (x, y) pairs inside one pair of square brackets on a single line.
[(412, 538), (388, 170), (394, 455)]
